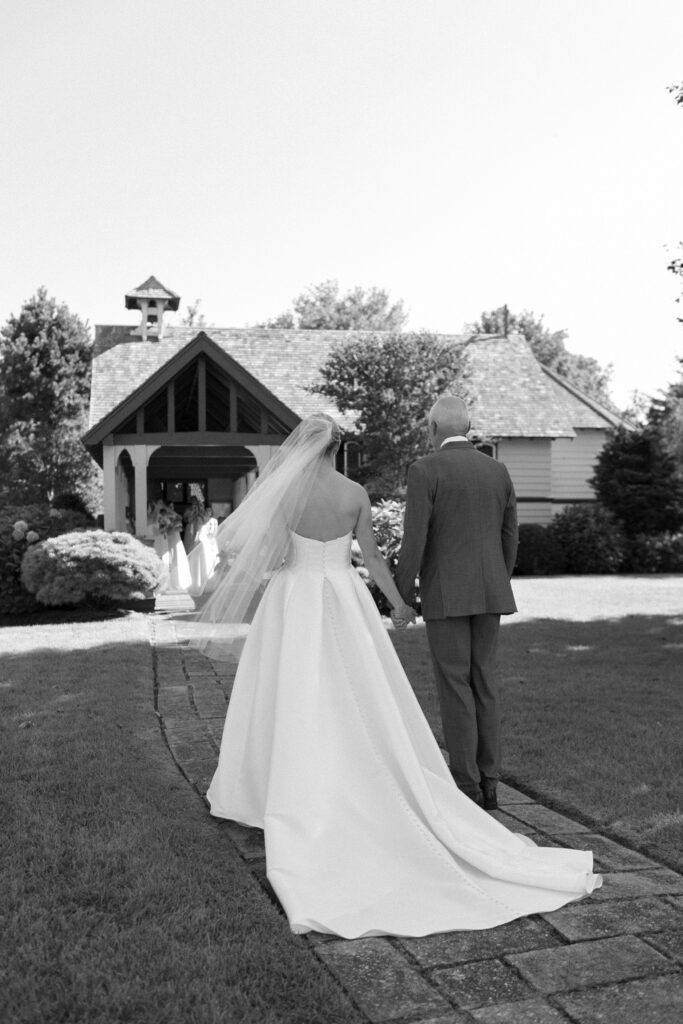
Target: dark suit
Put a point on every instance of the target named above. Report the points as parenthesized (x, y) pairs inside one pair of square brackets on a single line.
[(460, 538)]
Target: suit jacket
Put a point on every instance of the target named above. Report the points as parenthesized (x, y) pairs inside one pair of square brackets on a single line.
[(460, 534)]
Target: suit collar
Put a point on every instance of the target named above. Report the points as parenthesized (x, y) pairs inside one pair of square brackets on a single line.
[(455, 445)]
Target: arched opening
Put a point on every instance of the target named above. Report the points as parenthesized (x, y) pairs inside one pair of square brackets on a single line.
[(124, 491)]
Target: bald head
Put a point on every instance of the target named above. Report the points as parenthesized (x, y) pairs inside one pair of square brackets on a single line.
[(448, 416)]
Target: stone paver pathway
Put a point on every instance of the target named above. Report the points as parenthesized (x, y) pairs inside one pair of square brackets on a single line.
[(613, 958)]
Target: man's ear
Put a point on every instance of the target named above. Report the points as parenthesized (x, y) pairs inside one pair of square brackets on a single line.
[(432, 427)]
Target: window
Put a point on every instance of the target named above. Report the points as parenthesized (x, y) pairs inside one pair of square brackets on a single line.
[(274, 425), (130, 426), (248, 414), (217, 400), (156, 414), (186, 387), (487, 447), (181, 492)]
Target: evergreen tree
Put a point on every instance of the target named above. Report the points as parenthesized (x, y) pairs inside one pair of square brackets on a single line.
[(638, 480), (45, 356), (389, 383)]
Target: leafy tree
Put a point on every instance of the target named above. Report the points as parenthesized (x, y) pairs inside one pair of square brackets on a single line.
[(677, 92), (666, 413), (549, 348), (322, 307), (45, 356), (666, 416), (676, 267), (388, 383), (193, 317), (637, 480)]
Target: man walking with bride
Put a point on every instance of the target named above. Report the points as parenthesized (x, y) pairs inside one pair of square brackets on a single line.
[(325, 746), (460, 538)]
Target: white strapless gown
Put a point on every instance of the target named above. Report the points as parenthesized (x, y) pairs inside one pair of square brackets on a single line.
[(326, 749)]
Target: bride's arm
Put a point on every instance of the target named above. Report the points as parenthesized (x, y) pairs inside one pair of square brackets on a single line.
[(376, 565)]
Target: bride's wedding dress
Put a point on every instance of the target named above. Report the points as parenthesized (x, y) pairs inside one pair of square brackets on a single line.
[(326, 749)]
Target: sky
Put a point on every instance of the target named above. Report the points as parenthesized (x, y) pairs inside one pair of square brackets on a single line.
[(460, 154)]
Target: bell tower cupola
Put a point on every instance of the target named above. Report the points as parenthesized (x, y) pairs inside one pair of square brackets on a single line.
[(152, 299)]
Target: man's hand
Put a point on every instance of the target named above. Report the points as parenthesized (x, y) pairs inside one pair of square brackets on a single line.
[(402, 615)]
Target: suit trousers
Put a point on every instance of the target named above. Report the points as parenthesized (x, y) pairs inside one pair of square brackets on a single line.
[(463, 650)]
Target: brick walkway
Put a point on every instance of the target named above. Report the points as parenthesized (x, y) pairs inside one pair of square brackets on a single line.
[(613, 958)]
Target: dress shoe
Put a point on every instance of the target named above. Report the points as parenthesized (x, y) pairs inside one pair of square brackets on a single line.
[(490, 796), (473, 795)]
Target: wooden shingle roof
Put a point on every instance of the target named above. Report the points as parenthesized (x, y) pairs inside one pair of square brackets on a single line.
[(585, 411), (513, 396)]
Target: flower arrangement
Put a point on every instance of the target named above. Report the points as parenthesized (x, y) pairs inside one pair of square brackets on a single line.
[(167, 519)]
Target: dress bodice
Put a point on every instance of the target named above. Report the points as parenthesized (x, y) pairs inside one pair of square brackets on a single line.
[(318, 555)]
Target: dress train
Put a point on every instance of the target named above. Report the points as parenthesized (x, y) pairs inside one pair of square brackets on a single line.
[(326, 748)]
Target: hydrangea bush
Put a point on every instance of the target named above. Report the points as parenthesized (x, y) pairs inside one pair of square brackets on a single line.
[(387, 521), (659, 552), (582, 539), (21, 527), (93, 566)]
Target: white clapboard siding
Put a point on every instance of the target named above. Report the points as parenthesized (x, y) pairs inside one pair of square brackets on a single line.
[(540, 512), (529, 464), (573, 464)]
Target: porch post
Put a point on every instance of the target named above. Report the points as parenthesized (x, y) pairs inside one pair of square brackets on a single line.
[(109, 456), (140, 455), (262, 453)]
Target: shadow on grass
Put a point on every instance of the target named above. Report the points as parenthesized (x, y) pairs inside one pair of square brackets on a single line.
[(82, 613), (115, 877), (592, 719)]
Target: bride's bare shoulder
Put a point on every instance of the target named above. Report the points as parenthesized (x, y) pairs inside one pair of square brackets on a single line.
[(350, 487)]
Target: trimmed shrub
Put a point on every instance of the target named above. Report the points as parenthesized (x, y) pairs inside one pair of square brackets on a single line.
[(537, 554), (22, 526), (588, 539), (662, 552), (94, 566)]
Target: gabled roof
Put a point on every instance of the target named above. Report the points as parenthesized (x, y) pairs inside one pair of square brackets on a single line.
[(151, 289), (512, 394), (150, 383), (285, 362)]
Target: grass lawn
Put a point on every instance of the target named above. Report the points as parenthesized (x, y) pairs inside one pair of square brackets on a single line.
[(592, 693), (121, 898)]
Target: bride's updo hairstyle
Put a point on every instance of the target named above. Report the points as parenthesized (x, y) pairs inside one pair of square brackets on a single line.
[(325, 422)]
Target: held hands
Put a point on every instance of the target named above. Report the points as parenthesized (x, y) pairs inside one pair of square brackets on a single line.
[(402, 615)]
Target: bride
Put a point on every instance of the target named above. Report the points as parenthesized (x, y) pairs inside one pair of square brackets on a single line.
[(325, 746)]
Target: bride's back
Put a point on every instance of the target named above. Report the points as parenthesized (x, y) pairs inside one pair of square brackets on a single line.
[(332, 508)]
